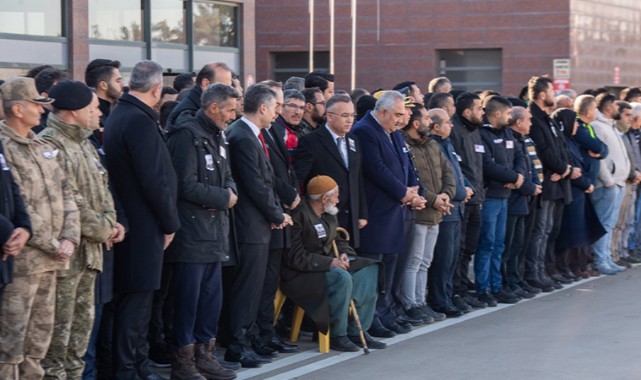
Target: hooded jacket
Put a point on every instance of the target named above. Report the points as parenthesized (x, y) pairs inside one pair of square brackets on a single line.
[(615, 168)]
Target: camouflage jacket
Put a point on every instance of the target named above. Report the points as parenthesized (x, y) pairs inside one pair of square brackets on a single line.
[(88, 177), (48, 197)]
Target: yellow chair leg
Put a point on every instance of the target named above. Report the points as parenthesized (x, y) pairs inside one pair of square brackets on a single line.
[(323, 342), (279, 301), (297, 321)]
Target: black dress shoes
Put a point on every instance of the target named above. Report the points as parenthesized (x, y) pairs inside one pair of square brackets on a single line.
[(558, 278), (342, 343), (247, 358), (264, 350), (449, 311), (280, 346), (380, 331), (371, 343)]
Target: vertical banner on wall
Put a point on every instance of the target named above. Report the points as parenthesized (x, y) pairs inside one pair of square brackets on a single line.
[(561, 74)]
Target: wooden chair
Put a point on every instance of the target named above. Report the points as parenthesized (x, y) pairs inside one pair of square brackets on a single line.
[(297, 321)]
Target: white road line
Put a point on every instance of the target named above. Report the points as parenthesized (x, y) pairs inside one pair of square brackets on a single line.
[(336, 359)]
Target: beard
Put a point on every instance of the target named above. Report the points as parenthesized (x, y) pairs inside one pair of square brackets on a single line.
[(549, 103), (113, 92), (330, 209), (423, 132)]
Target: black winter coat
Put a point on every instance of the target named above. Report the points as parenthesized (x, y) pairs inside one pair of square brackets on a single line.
[(199, 153), (12, 214), (190, 104), (553, 153), (502, 161), (468, 145), (144, 180)]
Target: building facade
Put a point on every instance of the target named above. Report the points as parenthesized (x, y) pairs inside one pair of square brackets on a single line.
[(497, 44), (181, 35)]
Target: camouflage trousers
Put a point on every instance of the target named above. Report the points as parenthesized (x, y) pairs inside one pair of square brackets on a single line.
[(26, 325), (75, 311)]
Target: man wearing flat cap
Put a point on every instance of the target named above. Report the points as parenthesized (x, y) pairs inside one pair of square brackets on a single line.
[(28, 304), (75, 116), (321, 283)]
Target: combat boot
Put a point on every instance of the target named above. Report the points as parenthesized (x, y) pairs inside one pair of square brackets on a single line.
[(183, 366), (207, 364)]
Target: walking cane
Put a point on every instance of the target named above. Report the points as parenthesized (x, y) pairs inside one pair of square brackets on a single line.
[(352, 306)]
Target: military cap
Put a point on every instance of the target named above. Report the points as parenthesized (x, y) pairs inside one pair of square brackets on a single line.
[(21, 88)]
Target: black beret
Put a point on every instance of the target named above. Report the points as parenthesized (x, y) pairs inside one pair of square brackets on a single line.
[(71, 95)]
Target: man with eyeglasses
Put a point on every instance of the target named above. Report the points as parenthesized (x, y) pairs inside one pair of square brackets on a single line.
[(315, 108), (333, 151)]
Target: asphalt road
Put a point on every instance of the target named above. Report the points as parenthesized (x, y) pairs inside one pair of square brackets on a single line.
[(590, 330)]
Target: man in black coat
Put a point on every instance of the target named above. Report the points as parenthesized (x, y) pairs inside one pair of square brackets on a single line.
[(257, 212), (143, 177), (468, 145), (557, 172), (206, 191), (318, 153), (265, 340)]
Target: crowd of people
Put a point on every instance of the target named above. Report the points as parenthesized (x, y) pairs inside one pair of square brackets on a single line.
[(147, 223)]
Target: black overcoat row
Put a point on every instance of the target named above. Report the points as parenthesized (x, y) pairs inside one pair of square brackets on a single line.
[(144, 180), (317, 154), (257, 207), (284, 182)]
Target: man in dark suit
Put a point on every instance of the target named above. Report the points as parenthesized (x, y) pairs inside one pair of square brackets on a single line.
[(258, 211), (390, 185), (265, 340), (322, 153), (145, 182)]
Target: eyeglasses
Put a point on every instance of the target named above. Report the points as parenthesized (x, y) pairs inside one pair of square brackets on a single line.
[(343, 115), (295, 107), (321, 103)]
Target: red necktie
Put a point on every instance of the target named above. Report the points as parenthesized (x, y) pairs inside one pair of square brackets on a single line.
[(262, 142)]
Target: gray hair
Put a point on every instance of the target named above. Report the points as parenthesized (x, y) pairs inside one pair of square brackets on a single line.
[(582, 102), (317, 197), (294, 83), (293, 94), (337, 99), (518, 113), (6, 107), (636, 109), (145, 76), (256, 95), (218, 93), (436, 84), (387, 100)]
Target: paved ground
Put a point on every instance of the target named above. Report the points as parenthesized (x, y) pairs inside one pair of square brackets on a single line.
[(587, 331)]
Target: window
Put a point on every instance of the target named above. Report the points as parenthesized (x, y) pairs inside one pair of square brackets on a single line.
[(472, 69), (168, 21), (215, 24), (115, 20), (34, 17), (289, 64)]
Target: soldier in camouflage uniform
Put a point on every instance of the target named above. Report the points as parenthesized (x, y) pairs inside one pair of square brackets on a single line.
[(68, 129), (28, 304)]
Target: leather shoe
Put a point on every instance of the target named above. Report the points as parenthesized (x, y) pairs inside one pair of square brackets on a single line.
[(342, 343), (397, 328), (381, 331), (280, 346), (458, 303), (371, 343), (449, 311), (247, 358), (545, 288), (264, 350), (558, 278)]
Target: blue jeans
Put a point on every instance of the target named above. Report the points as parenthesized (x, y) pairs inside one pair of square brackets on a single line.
[(607, 204), (635, 234), (487, 261)]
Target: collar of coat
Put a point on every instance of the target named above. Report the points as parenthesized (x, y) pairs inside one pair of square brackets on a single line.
[(13, 135), (71, 131), (467, 123)]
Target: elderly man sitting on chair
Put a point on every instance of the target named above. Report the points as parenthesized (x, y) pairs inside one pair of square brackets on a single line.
[(323, 284)]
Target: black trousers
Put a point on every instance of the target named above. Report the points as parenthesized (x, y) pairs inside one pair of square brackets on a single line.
[(264, 330), (131, 325), (514, 253), (544, 233), (246, 294), (470, 233), (162, 310), (441, 273)]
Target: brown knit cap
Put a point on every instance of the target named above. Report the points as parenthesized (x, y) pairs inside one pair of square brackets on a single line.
[(320, 185)]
